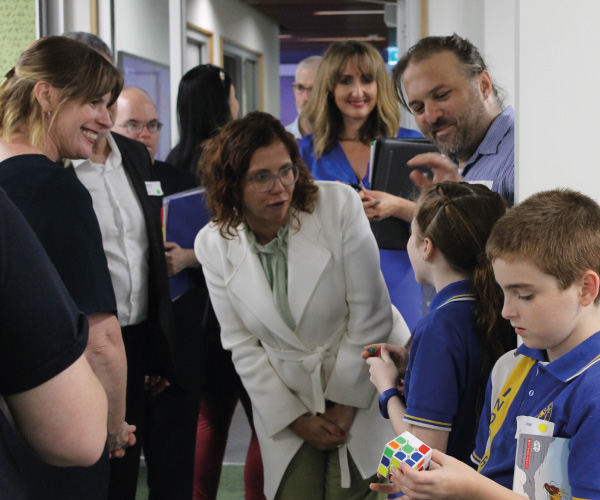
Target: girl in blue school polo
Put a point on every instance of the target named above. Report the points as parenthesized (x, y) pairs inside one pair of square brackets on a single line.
[(456, 344)]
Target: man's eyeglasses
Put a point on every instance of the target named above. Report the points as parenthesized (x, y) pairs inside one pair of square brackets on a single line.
[(299, 88), (136, 127), (264, 181)]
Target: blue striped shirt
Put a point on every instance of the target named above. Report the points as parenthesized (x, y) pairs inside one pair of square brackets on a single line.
[(494, 160)]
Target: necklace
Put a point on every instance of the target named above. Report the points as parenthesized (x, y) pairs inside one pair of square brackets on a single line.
[(347, 138)]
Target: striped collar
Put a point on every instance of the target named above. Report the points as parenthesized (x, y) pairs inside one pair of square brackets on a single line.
[(454, 292)]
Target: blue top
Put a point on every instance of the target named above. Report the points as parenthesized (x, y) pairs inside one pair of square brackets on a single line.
[(566, 392), (333, 164), (494, 159), (444, 369), (398, 274)]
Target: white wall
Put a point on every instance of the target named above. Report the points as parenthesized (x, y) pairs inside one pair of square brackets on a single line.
[(244, 26), (557, 100), (489, 24), (142, 28), (465, 17)]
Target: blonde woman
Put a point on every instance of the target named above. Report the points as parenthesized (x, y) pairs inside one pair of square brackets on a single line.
[(353, 102)]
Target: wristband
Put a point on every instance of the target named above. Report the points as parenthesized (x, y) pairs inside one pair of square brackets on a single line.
[(385, 397)]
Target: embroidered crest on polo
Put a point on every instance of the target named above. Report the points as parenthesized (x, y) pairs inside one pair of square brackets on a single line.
[(405, 448)]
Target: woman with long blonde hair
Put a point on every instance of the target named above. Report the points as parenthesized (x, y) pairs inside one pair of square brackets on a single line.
[(353, 102)]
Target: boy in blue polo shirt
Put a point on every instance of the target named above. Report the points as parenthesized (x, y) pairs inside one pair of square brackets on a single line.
[(546, 257)]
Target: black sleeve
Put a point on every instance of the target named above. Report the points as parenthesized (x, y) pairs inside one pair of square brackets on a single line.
[(62, 215), (42, 331)]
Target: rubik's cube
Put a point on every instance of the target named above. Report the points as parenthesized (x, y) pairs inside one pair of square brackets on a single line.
[(405, 448)]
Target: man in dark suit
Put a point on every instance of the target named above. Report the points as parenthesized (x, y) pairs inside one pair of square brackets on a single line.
[(119, 178), (171, 410)]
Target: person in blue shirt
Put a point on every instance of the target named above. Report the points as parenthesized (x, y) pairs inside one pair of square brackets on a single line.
[(352, 103), (545, 254), (456, 344)]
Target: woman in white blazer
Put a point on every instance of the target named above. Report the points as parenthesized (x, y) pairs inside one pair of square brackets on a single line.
[(293, 272)]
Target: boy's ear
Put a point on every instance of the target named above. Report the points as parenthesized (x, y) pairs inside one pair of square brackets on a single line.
[(590, 287)]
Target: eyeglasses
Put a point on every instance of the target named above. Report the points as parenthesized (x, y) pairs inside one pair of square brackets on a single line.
[(264, 181), (136, 127), (299, 88)]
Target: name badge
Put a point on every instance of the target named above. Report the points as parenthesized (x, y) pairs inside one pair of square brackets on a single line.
[(487, 184), (535, 426), (153, 188)]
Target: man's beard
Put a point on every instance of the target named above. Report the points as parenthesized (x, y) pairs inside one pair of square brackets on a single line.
[(469, 130)]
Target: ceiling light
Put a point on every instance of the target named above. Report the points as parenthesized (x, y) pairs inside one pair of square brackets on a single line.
[(347, 12), (369, 38)]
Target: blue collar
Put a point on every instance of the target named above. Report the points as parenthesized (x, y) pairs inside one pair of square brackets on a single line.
[(573, 363), (458, 288)]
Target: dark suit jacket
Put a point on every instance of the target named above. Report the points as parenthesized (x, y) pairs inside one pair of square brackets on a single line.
[(138, 167), (194, 316)]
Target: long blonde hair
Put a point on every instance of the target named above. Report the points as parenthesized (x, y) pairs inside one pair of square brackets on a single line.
[(321, 111), (77, 71)]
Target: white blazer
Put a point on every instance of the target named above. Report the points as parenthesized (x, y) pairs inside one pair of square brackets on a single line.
[(340, 303)]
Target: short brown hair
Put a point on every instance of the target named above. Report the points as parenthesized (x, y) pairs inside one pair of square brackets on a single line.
[(77, 71), (558, 230), (226, 159)]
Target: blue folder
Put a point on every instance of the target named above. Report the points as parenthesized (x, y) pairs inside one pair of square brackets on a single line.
[(184, 214)]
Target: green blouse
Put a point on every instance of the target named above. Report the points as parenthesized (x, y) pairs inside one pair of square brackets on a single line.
[(273, 257)]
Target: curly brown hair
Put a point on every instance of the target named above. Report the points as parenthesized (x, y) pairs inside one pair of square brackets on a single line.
[(226, 159)]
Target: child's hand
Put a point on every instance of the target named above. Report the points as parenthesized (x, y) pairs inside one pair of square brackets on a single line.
[(387, 488), (384, 373), (397, 353), (446, 478)]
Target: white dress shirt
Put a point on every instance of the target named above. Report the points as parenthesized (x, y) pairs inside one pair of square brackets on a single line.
[(123, 230)]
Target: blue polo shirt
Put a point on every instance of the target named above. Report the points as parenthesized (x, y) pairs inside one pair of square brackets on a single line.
[(444, 369), (566, 392), (494, 159)]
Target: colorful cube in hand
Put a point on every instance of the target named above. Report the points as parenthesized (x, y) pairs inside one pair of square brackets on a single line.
[(374, 352), (405, 448)]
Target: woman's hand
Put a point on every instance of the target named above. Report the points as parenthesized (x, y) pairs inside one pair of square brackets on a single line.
[(318, 431), (379, 205), (340, 415), (118, 442)]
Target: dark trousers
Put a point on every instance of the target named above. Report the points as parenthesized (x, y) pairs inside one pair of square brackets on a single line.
[(169, 442), (124, 471)]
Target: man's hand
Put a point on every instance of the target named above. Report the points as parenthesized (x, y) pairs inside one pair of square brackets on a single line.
[(156, 384), (443, 168), (318, 431), (179, 258)]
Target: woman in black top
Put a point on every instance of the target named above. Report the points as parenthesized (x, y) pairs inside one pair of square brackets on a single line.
[(53, 105)]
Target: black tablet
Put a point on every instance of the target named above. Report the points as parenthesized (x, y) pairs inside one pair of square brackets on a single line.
[(389, 173)]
